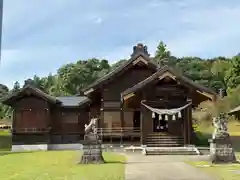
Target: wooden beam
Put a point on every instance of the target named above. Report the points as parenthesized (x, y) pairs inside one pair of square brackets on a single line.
[(167, 74), (88, 91), (128, 96), (206, 94), (140, 59)]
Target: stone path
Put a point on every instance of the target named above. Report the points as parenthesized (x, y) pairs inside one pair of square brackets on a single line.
[(140, 167)]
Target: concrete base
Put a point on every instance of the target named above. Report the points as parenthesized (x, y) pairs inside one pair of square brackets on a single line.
[(45, 147), (65, 146), (35, 147)]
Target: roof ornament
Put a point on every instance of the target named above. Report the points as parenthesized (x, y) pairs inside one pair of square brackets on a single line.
[(29, 82), (140, 48)]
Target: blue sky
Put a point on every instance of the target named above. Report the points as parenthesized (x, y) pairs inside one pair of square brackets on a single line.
[(41, 35)]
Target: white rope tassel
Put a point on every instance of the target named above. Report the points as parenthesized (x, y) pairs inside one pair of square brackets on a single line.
[(166, 117), (160, 117), (153, 115), (174, 117), (179, 114)]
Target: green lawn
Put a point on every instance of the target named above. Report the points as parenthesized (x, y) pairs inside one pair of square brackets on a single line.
[(223, 172), (55, 165), (59, 165)]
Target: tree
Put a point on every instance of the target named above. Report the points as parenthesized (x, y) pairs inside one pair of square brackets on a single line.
[(16, 86), (4, 110), (118, 64), (233, 74), (75, 77), (162, 55), (219, 69)]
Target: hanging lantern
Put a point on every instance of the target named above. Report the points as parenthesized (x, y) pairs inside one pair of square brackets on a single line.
[(174, 117), (160, 117), (166, 117), (153, 115), (179, 114)]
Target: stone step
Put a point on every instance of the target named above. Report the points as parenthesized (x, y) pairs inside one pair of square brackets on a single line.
[(164, 145), (170, 151), (164, 136), (163, 141)]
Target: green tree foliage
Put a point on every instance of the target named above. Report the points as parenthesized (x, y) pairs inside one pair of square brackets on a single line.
[(16, 87), (233, 74), (77, 76), (162, 51), (216, 73), (4, 110)]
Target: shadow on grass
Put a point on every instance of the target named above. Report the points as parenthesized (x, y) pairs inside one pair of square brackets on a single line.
[(114, 162)]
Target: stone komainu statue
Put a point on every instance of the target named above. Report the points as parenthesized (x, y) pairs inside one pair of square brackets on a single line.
[(220, 125), (92, 151), (91, 127), (221, 149)]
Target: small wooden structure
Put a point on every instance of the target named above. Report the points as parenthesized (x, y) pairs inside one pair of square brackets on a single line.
[(116, 99)]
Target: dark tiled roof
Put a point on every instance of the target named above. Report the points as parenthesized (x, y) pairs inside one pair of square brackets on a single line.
[(71, 101), (13, 96), (122, 68), (175, 73)]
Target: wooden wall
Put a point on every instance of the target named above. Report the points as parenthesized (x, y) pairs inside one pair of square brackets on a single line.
[(112, 91), (69, 120), (31, 112), (111, 97)]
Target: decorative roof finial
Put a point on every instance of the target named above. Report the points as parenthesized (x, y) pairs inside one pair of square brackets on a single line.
[(222, 93), (140, 48)]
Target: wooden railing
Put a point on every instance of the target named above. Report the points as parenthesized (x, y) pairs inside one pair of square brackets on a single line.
[(31, 130), (119, 131)]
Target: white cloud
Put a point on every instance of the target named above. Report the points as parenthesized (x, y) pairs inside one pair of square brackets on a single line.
[(98, 20), (40, 36)]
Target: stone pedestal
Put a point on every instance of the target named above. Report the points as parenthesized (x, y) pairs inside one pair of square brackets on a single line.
[(92, 150), (221, 150)]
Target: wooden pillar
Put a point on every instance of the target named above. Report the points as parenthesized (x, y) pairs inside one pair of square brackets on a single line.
[(185, 126), (122, 115), (14, 119), (142, 126), (189, 123)]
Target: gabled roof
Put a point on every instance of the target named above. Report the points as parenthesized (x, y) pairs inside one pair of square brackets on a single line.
[(235, 110), (167, 71), (73, 101), (37, 92), (139, 56), (65, 101)]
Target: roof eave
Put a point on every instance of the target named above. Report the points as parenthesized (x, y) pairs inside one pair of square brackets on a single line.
[(92, 87)]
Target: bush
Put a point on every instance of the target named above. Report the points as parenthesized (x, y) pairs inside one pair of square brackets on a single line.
[(201, 138)]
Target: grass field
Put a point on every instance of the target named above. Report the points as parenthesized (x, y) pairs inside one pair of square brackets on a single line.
[(58, 165), (223, 172), (55, 165)]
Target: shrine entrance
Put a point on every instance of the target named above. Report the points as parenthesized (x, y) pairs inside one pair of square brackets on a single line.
[(160, 124)]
